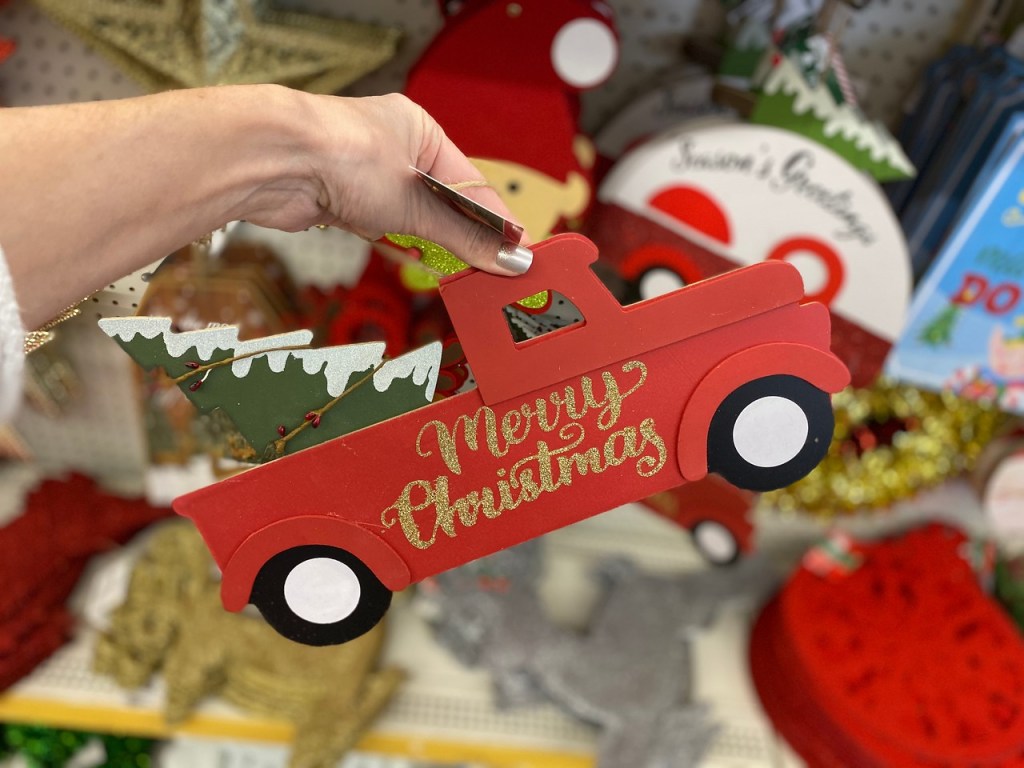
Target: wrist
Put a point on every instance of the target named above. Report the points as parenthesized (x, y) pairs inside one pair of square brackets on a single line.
[(271, 137)]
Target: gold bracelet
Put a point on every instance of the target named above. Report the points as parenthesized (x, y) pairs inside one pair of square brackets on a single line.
[(44, 334)]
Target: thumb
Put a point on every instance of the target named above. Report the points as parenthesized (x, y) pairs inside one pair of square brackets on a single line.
[(474, 243), (436, 220)]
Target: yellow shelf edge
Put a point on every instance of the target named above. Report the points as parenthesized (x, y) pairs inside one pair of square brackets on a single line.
[(134, 722)]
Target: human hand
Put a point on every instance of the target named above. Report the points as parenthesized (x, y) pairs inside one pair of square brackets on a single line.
[(357, 176)]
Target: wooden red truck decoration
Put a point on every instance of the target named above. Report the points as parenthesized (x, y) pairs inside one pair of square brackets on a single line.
[(731, 375)]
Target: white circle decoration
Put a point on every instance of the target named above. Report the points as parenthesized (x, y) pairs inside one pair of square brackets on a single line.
[(322, 590), (658, 282), (770, 431), (584, 53), (715, 541)]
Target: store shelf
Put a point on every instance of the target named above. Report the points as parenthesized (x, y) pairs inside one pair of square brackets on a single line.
[(444, 712)]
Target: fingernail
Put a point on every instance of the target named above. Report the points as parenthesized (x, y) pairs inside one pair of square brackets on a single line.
[(514, 258)]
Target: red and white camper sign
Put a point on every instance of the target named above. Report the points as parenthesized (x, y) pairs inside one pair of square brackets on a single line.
[(698, 202)]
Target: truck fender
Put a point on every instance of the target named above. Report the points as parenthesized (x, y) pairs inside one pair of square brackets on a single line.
[(246, 561), (820, 368)]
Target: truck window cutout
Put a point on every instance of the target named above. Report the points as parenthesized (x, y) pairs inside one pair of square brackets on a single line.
[(526, 323)]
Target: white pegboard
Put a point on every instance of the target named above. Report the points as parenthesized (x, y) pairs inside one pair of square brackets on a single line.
[(886, 47), (101, 431), (651, 38)]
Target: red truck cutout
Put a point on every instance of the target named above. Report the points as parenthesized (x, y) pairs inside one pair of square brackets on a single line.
[(731, 375)]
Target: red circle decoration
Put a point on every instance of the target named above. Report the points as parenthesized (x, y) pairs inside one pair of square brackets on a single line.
[(657, 255), (825, 254), (696, 209)]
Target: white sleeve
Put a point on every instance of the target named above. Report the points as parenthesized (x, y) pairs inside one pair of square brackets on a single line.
[(12, 346)]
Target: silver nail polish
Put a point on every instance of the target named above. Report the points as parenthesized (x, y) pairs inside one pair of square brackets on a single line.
[(515, 258)]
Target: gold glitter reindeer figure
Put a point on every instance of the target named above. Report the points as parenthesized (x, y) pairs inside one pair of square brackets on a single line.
[(172, 621)]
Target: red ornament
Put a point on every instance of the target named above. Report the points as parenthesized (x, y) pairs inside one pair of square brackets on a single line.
[(44, 551), (900, 660), (7, 46)]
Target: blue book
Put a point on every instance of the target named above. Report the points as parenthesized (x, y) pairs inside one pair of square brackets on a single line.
[(965, 329), (999, 94)]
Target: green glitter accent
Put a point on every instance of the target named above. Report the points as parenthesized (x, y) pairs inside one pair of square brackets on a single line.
[(433, 256), (440, 259), (537, 301)]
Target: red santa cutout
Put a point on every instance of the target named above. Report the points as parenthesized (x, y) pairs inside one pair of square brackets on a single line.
[(503, 79), (7, 46)]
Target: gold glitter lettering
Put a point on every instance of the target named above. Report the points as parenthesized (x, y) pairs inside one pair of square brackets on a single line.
[(405, 510), (587, 461), (511, 422), (648, 466), (505, 494), (569, 401), (609, 415), (628, 437), (542, 412), (530, 477), (446, 440), (531, 491)]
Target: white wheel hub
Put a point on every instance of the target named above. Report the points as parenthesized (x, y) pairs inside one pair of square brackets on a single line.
[(770, 431), (714, 541), (322, 590)]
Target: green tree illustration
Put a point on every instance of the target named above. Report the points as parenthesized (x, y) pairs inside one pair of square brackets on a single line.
[(939, 331)]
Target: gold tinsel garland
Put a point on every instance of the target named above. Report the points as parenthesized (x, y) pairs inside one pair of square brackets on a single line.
[(890, 442)]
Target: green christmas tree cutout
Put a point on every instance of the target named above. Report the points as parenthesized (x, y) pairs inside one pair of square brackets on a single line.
[(788, 100), (280, 394)]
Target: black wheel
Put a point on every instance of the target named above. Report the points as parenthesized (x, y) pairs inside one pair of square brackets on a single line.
[(716, 543), (770, 432), (319, 595)]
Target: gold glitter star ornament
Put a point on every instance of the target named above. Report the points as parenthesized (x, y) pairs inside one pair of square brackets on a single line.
[(168, 44)]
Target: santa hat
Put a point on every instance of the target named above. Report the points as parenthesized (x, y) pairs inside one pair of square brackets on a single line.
[(503, 78)]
